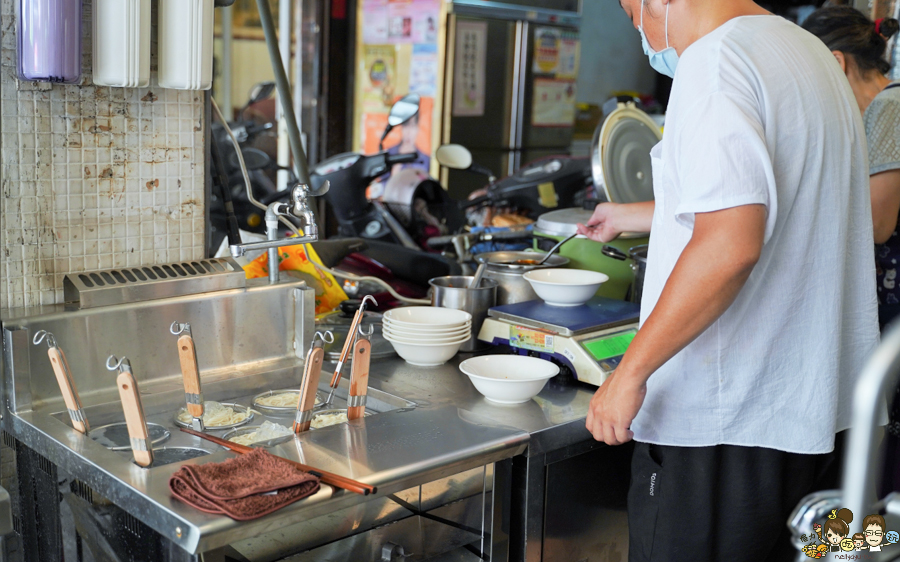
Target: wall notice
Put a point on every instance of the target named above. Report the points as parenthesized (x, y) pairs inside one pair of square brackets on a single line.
[(375, 14), (554, 103), (378, 85), (469, 69)]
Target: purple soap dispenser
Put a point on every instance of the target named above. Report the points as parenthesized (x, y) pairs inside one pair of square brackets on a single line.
[(49, 40)]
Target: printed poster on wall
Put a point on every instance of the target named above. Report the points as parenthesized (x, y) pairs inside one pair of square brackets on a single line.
[(413, 21), (546, 50), (554, 103), (569, 52), (469, 69), (375, 15), (423, 70), (381, 72)]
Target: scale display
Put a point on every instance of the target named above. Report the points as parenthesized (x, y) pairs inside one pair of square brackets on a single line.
[(607, 347)]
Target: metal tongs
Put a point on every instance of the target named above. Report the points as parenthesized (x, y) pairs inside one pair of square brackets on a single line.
[(65, 380), (134, 410), (359, 374), (348, 345), (312, 371), (190, 372)]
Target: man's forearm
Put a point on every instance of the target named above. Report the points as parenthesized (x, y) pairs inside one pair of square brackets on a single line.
[(706, 279), (635, 217)]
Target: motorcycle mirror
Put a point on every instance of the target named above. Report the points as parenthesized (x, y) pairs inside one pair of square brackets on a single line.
[(403, 110), (454, 156), (261, 91), (254, 159)]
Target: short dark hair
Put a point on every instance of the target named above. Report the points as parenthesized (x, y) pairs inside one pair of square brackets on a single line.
[(873, 519), (846, 29)]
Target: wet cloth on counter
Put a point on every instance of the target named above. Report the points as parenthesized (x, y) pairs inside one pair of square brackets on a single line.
[(243, 488)]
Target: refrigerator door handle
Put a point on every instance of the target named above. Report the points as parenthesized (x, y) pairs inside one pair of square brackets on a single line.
[(520, 71)]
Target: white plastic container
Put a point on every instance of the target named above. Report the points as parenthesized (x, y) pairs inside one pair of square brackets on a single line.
[(121, 43), (185, 44)]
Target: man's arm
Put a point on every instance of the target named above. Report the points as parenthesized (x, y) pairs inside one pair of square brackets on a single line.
[(712, 269), (885, 203), (611, 219)]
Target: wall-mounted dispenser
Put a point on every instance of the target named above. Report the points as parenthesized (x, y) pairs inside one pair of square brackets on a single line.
[(49, 40), (185, 44), (121, 35)]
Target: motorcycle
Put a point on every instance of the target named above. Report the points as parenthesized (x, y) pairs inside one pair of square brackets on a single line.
[(408, 206), (555, 182)]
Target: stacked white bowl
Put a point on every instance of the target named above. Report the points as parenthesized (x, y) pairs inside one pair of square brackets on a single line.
[(426, 336)]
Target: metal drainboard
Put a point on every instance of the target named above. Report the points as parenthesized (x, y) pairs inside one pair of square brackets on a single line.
[(132, 284)]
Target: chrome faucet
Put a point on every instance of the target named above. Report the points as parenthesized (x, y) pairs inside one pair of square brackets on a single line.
[(298, 208)]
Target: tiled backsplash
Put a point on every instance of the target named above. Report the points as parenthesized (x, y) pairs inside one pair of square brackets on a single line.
[(93, 177)]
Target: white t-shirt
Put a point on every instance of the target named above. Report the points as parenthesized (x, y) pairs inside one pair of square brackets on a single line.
[(760, 113)]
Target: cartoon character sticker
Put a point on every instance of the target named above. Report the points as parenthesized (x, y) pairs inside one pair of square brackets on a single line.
[(836, 528), (873, 527), (835, 535)]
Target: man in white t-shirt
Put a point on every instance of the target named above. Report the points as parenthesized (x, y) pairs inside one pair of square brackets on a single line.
[(758, 305)]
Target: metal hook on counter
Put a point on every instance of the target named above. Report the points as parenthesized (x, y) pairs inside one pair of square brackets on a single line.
[(177, 328), (321, 339), (327, 337), (367, 298), (41, 335), (113, 363)]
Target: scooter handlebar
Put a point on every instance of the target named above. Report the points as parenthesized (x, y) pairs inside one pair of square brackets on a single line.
[(474, 202), (392, 159)]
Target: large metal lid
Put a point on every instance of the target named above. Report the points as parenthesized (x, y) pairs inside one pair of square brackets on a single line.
[(562, 222), (620, 155)]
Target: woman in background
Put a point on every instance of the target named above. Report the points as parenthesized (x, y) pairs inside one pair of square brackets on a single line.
[(859, 46)]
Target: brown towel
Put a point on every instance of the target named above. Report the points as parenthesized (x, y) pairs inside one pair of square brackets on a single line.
[(243, 488)]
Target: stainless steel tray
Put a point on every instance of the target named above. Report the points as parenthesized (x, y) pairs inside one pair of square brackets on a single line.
[(250, 429), (280, 410), (170, 455), (114, 436), (229, 426)]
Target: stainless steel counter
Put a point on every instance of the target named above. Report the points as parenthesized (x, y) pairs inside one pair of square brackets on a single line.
[(450, 429)]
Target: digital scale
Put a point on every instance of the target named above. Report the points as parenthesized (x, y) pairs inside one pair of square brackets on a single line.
[(590, 339)]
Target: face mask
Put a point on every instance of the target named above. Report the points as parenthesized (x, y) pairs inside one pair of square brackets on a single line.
[(663, 61)]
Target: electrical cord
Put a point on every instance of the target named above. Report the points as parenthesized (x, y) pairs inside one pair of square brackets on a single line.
[(319, 267)]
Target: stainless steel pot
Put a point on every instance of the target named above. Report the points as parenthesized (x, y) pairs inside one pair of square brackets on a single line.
[(507, 270), (638, 257), (454, 292)]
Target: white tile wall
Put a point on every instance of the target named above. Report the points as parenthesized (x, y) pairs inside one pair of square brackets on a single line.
[(92, 177)]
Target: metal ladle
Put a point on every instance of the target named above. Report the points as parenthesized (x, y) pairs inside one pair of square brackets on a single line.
[(555, 248)]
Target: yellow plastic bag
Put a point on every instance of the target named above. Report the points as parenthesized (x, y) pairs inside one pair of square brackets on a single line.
[(293, 261)]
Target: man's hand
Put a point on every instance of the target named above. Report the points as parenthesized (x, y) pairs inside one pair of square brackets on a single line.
[(612, 219), (613, 408)]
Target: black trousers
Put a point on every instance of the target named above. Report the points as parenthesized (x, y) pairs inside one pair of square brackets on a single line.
[(720, 503)]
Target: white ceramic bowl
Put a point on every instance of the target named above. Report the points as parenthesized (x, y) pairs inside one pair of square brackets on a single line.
[(565, 287), (426, 354), (428, 336), (424, 329), (508, 379), (427, 317)]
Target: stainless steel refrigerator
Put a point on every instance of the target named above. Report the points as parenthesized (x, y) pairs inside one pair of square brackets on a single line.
[(510, 83)]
